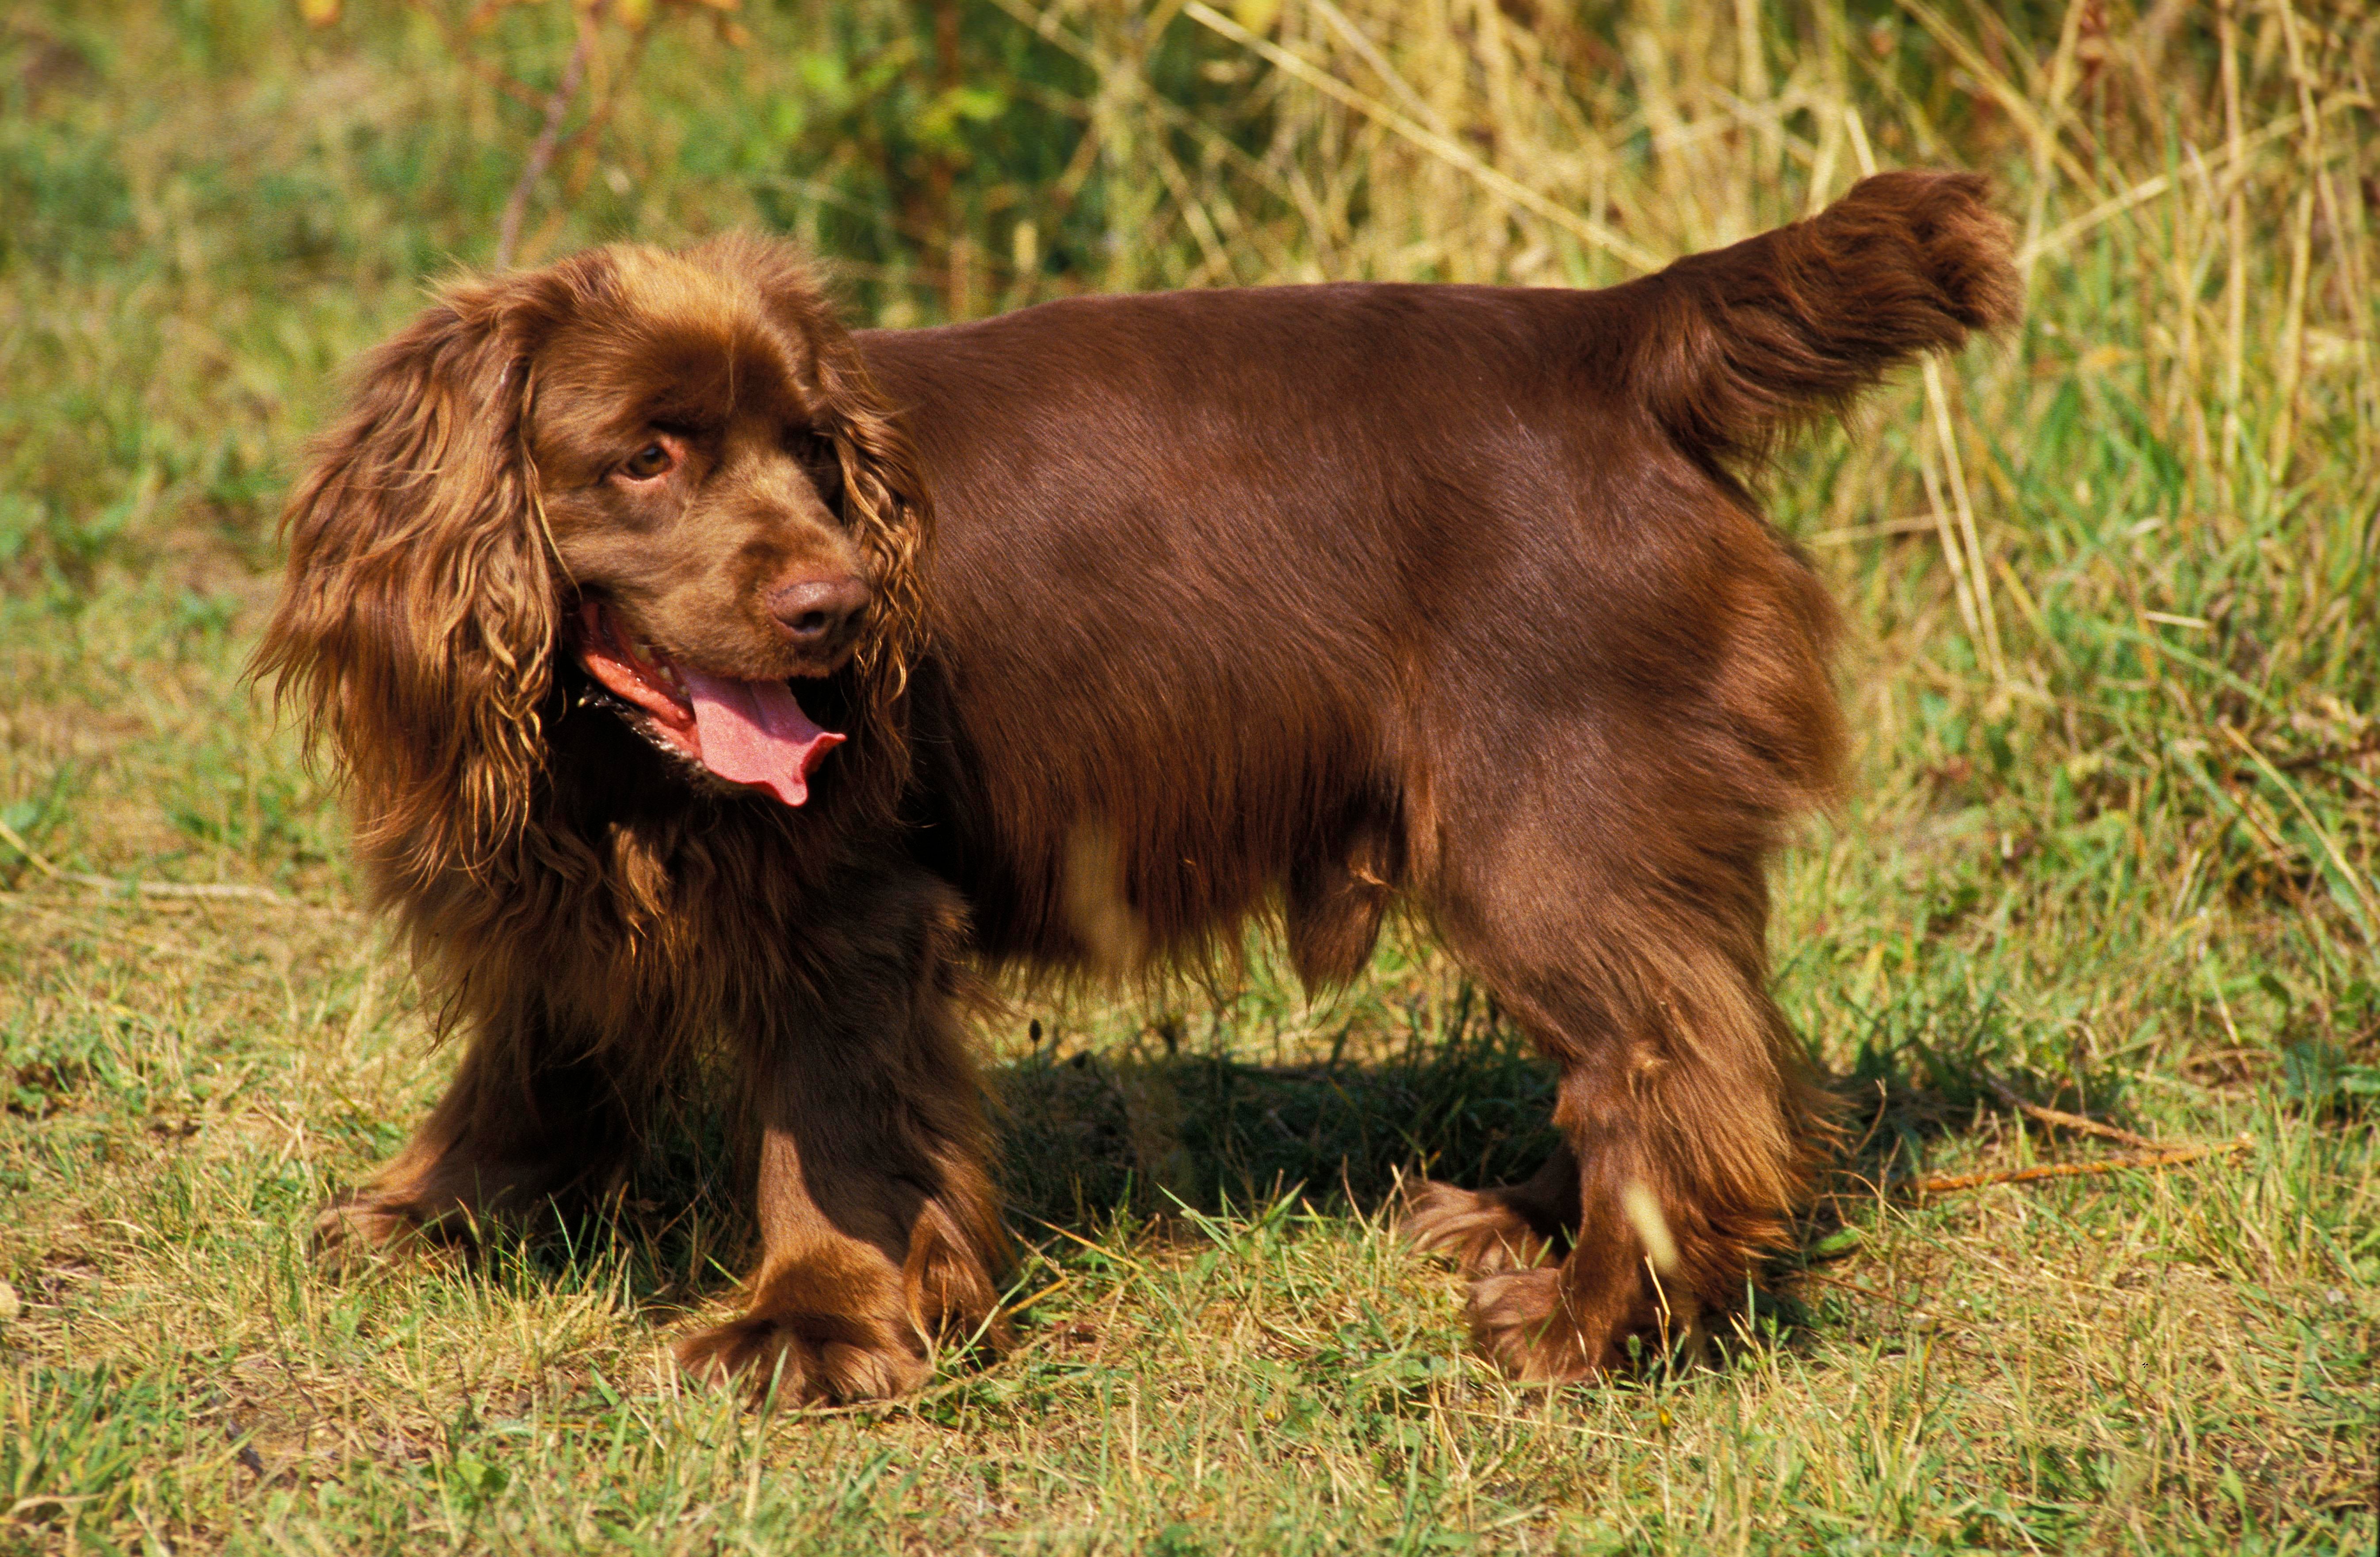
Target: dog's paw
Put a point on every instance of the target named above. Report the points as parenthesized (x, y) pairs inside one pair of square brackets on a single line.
[(1477, 1230), (1521, 1323), (1534, 1326), (806, 1360), (359, 1231)]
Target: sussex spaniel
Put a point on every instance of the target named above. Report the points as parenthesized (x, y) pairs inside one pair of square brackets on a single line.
[(710, 680)]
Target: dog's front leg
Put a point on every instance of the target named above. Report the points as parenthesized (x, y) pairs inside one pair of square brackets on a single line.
[(879, 1230), (541, 1110)]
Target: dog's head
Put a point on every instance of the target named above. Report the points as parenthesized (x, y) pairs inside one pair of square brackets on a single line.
[(659, 484)]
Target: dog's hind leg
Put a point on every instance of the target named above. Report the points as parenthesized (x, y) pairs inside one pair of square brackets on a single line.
[(1688, 1132), (879, 1227), (1605, 880)]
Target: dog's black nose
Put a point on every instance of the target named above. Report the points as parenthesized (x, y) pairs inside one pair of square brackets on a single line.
[(818, 612)]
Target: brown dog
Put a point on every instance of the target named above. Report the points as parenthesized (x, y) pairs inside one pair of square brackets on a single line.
[(710, 679)]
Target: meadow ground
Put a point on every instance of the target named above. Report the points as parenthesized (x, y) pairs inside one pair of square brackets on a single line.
[(2109, 856)]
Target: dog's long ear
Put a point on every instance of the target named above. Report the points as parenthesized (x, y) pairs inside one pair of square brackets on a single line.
[(417, 623), (885, 501)]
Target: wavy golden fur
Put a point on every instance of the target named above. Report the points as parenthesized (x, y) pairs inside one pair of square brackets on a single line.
[(1309, 599)]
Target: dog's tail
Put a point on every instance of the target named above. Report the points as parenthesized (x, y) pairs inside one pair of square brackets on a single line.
[(1730, 348)]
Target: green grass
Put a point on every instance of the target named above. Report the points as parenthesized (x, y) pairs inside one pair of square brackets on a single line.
[(2110, 851)]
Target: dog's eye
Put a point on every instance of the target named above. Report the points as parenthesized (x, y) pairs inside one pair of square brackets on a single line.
[(653, 460), (820, 462)]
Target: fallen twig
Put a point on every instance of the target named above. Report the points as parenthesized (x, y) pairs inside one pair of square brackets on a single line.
[(176, 889), (2163, 1157), (2073, 1121), (146, 889)]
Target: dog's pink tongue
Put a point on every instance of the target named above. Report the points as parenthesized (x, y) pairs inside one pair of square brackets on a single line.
[(754, 733)]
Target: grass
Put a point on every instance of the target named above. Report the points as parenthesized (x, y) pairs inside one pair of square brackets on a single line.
[(2111, 850)]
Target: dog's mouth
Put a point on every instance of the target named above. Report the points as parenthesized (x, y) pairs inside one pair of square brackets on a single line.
[(746, 732)]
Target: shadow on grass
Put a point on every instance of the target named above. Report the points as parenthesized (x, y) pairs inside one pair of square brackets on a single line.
[(1091, 1137), (1085, 1138), (1088, 1138)]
